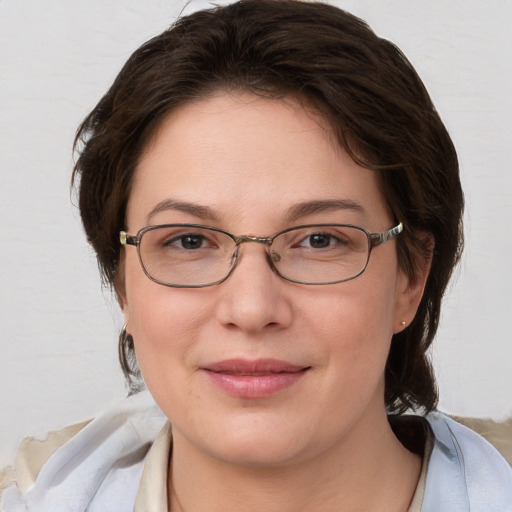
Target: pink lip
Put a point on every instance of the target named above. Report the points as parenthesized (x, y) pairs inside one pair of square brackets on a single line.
[(254, 379)]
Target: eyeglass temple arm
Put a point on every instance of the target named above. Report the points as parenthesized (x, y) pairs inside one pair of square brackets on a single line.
[(388, 234), (127, 239)]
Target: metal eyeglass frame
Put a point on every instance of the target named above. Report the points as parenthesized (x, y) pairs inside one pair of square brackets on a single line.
[(374, 240)]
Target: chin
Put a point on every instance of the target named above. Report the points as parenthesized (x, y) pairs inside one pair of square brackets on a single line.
[(258, 440), (260, 453)]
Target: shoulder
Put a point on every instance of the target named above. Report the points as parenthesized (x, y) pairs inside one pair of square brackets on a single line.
[(465, 471), (97, 460), (499, 434)]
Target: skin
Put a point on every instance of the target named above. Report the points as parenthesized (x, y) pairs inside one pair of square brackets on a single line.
[(324, 440)]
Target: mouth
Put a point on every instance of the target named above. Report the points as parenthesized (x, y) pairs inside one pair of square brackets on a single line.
[(260, 378)]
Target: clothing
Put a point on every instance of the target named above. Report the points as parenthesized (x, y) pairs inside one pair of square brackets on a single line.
[(119, 462)]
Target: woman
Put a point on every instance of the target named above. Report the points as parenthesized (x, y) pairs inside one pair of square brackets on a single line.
[(275, 201)]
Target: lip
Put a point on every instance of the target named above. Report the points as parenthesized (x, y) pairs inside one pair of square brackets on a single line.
[(254, 379)]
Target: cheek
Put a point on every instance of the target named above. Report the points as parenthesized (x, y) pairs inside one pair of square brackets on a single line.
[(358, 312), (353, 326), (163, 321)]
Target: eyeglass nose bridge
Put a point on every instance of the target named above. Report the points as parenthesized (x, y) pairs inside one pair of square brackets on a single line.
[(272, 256), (264, 240)]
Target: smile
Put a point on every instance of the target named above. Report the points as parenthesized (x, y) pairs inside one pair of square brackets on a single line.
[(254, 379)]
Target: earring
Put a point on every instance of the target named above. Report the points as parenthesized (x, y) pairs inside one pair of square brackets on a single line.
[(402, 323), (128, 360)]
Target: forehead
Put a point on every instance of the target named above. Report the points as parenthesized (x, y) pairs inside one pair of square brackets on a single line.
[(244, 156)]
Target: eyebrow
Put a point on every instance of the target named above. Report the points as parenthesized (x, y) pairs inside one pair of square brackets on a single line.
[(306, 208), (293, 214), (203, 212)]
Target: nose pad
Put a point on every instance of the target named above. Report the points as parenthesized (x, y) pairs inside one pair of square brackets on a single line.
[(235, 256), (273, 256)]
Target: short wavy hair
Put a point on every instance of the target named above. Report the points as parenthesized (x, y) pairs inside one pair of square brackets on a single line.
[(377, 106)]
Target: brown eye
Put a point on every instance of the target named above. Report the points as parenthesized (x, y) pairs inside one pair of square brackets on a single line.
[(319, 240), (189, 242), (322, 241)]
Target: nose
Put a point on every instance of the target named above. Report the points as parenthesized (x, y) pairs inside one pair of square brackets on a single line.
[(254, 297)]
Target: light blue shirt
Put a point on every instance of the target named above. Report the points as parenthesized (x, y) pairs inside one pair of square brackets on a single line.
[(100, 468), (465, 472)]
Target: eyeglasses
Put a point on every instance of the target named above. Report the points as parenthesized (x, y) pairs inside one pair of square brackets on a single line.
[(194, 256)]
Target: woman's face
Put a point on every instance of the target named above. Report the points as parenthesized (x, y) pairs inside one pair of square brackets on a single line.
[(210, 355)]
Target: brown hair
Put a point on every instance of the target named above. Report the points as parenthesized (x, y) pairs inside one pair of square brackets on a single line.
[(375, 102)]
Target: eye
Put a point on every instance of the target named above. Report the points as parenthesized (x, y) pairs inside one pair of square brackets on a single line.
[(188, 241), (321, 241)]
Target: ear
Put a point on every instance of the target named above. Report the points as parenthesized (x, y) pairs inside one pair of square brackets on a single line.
[(410, 288)]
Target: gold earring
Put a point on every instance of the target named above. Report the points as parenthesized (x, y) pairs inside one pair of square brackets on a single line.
[(402, 323)]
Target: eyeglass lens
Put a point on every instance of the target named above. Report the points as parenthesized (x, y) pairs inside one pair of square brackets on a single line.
[(198, 256)]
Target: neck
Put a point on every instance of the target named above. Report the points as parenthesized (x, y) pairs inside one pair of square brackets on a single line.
[(368, 470)]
